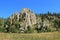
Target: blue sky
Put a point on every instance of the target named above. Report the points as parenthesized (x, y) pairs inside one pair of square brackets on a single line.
[(8, 7)]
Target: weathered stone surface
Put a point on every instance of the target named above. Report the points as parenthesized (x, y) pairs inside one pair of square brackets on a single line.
[(14, 17), (28, 17), (46, 23)]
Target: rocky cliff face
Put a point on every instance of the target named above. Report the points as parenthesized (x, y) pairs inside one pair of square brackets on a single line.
[(28, 17)]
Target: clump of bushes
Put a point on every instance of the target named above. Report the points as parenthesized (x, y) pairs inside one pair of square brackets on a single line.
[(2, 29), (29, 29), (38, 28)]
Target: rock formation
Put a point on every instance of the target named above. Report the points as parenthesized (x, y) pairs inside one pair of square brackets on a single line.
[(25, 18), (28, 17)]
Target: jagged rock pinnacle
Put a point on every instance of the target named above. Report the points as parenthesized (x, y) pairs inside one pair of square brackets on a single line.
[(28, 16)]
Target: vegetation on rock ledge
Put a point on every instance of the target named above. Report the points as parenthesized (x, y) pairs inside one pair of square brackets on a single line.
[(29, 22)]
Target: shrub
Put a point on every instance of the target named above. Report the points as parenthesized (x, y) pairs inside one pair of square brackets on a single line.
[(29, 29), (14, 30), (2, 29)]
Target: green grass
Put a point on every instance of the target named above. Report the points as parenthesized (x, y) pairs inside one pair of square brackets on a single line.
[(33, 36)]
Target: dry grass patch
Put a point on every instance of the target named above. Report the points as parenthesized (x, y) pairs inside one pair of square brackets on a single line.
[(33, 36)]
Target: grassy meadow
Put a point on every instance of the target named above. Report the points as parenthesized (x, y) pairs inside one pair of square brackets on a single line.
[(32, 36)]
